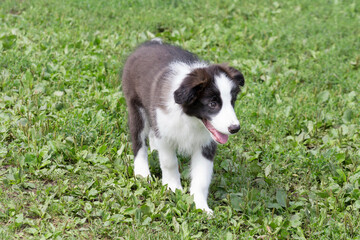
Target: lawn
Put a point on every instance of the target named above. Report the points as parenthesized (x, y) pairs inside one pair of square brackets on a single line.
[(66, 165)]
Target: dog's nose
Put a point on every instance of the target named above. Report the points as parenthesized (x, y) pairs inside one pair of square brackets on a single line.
[(234, 128)]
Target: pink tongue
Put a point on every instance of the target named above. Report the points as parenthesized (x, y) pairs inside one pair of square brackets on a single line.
[(219, 137)]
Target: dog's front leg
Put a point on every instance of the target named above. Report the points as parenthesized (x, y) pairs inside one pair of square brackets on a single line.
[(169, 165), (201, 172)]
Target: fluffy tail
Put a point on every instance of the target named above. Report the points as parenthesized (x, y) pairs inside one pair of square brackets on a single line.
[(158, 40)]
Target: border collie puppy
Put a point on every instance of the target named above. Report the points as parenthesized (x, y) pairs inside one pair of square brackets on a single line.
[(181, 104)]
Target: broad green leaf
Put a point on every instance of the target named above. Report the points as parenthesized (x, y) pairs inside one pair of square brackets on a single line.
[(323, 96), (356, 204), (93, 192), (236, 201), (295, 220), (348, 116), (32, 231), (281, 197), (268, 170), (176, 225), (341, 174)]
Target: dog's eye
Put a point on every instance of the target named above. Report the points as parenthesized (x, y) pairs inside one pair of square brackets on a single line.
[(212, 104)]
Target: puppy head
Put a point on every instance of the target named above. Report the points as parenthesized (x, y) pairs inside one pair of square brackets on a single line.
[(209, 94)]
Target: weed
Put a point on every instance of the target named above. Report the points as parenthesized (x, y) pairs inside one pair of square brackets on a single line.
[(292, 172)]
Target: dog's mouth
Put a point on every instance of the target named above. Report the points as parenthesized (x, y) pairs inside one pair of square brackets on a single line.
[(217, 136)]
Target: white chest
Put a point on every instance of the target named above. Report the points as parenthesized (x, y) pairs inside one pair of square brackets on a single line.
[(186, 134)]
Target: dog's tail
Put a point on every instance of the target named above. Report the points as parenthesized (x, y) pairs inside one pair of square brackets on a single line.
[(154, 41), (158, 40)]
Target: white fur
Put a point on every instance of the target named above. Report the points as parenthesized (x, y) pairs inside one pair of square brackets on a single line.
[(226, 117), (201, 172), (159, 40), (141, 165), (169, 164), (187, 135), (184, 133)]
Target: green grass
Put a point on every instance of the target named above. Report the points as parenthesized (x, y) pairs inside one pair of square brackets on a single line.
[(292, 172)]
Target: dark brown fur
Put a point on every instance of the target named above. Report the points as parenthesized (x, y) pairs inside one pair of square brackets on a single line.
[(145, 83)]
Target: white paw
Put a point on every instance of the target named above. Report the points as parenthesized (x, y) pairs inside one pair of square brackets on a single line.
[(208, 211), (205, 208), (141, 171), (201, 203), (173, 185)]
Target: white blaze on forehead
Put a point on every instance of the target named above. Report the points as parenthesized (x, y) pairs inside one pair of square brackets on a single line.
[(225, 85), (226, 116)]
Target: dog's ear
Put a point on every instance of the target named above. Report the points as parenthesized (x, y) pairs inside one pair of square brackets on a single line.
[(236, 75), (192, 86)]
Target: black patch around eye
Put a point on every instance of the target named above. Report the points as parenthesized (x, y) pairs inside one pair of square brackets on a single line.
[(200, 107), (214, 99), (212, 104)]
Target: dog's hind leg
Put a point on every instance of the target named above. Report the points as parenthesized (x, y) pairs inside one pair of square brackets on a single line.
[(139, 128)]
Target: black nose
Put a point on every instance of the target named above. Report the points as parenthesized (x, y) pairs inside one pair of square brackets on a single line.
[(234, 128)]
